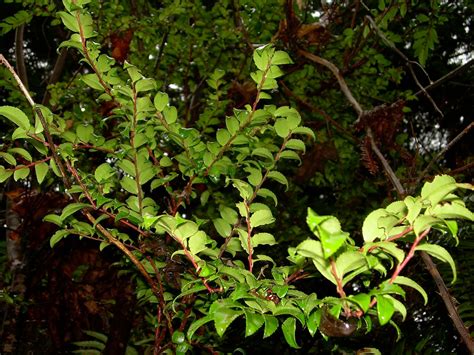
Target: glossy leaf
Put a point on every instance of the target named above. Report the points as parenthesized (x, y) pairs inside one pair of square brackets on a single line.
[(289, 327), (439, 253)]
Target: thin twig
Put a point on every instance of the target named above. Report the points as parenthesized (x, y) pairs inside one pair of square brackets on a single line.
[(335, 70), (442, 152), (408, 62)]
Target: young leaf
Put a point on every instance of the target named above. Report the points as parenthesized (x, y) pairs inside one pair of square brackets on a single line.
[(436, 190)]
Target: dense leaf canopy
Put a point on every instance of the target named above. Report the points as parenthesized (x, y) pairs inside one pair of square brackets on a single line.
[(194, 176)]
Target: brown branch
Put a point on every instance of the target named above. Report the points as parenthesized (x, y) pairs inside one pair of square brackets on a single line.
[(388, 170), (335, 70), (20, 55), (55, 74)]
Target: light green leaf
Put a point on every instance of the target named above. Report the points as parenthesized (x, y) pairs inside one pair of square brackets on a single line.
[(22, 152), (296, 144), (261, 217), (129, 185), (222, 136), (282, 128), (349, 261), (289, 327), (263, 152), (281, 58), (16, 116), (439, 253), (92, 80), (60, 234), (41, 170), (21, 173), (263, 238), (313, 249), (69, 21), (402, 280), (72, 208), (451, 210), (103, 172), (414, 208), (171, 114), (222, 227), (423, 222), (304, 130), (160, 101), (436, 190), (229, 214), (197, 242), (370, 228), (279, 177), (267, 193), (10, 159)]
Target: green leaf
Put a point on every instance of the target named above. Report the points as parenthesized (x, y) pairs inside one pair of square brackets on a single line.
[(103, 172), (263, 152), (223, 316), (53, 218), (423, 222), (289, 327), (304, 130), (414, 208), (15, 115), (92, 80), (73, 208), (222, 227), (197, 324), (160, 101), (405, 281), (439, 253), (21, 173), (263, 238), (222, 136), (370, 228), (296, 144), (253, 322), (271, 325), (279, 177), (349, 261), (451, 210), (282, 128), (385, 309), (10, 159), (41, 170), (261, 217), (229, 214), (313, 249), (280, 58), (60, 234), (4, 174), (332, 242), (22, 152), (129, 185), (197, 242), (438, 189), (362, 299), (69, 21), (171, 114), (267, 193)]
